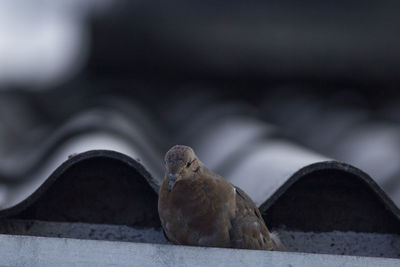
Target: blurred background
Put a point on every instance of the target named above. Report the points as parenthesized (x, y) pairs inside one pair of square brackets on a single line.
[(228, 78)]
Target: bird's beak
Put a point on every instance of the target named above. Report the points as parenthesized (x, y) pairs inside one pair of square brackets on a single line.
[(172, 177)]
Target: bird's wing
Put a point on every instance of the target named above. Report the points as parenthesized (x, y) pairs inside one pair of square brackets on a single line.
[(248, 227)]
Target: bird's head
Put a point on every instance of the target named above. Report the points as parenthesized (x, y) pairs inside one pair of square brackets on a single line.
[(180, 163)]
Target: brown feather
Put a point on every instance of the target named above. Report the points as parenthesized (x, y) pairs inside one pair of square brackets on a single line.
[(203, 209)]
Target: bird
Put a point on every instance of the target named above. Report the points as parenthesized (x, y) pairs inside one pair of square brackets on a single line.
[(198, 207)]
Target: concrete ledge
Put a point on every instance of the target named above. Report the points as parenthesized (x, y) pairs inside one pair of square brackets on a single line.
[(43, 251), (335, 242)]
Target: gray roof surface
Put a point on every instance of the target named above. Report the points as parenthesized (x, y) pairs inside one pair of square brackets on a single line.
[(282, 98), (40, 251)]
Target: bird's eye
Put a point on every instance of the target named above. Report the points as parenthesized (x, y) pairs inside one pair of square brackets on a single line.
[(190, 163)]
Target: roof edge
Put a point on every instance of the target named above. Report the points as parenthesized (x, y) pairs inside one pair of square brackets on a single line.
[(333, 165), (59, 171)]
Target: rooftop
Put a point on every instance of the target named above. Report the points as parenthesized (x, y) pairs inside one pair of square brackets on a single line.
[(285, 101)]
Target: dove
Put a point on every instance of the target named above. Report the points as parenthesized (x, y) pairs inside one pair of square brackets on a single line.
[(200, 208)]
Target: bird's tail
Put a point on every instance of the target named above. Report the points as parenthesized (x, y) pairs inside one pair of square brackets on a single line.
[(278, 245)]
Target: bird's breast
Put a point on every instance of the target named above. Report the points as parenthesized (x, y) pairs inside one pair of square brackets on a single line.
[(198, 213)]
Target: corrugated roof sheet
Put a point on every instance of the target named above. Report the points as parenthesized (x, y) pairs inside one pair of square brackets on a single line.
[(109, 188), (84, 160)]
